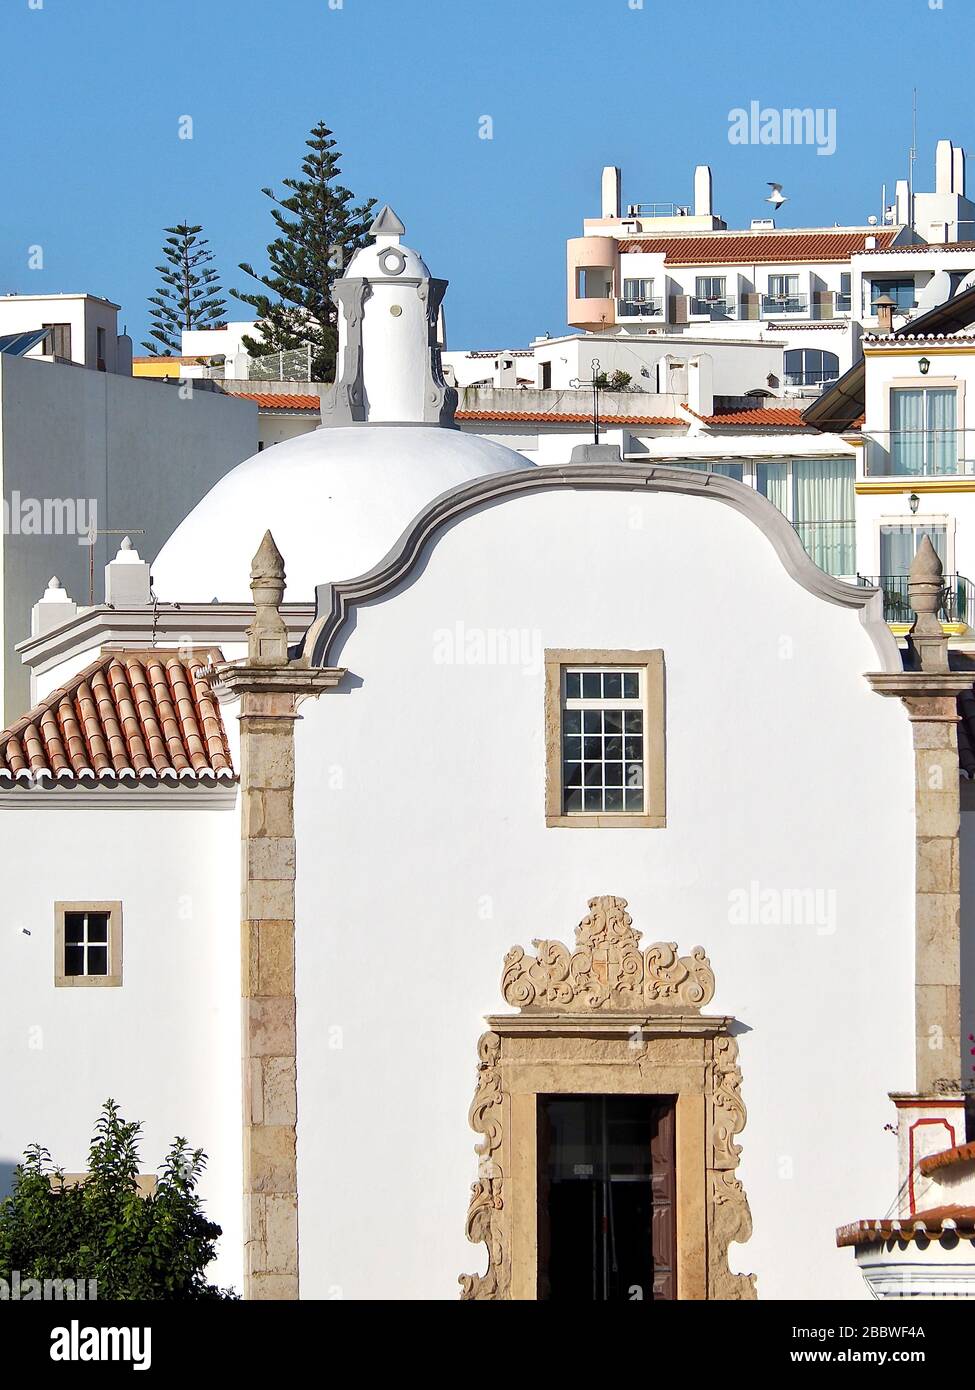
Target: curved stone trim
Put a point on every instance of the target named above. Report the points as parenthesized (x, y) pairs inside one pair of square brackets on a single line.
[(336, 600)]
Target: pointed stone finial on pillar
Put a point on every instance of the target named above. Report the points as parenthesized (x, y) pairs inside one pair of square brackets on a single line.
[(53, 609), (267, 634), (925, 587)]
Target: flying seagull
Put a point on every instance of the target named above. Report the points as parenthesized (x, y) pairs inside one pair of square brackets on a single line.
[(776, 197)]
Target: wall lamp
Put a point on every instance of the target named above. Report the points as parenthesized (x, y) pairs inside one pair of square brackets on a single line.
[(924, 363), (914, 502)]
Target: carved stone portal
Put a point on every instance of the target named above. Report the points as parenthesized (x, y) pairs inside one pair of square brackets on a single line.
[(608, 1017)]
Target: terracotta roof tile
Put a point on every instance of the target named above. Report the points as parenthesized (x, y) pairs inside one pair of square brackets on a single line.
[(131, 715), (279, 400), (556, 418), (774, 416), (923, 1223), (947, 1158), (764, 248)]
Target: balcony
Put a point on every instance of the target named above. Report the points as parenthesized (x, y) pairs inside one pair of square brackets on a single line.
[(639, 308), (958, 597), (713, 308), (932, 453), (776, 304), (810, 378)]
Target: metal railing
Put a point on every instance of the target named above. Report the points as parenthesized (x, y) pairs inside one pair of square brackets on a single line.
[(714, 308), (293, 364), (947, 453), (810, 378), (957, 605), (639, 308), (785, 303)]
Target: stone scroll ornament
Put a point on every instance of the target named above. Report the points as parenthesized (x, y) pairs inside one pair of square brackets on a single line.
[(607, 969)]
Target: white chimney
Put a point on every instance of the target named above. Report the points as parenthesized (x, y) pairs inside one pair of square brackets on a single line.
[(611, 191), (702, 191), (127, 578), (943, 167), (958, 160), (700, 384), (902, 203), (53, 609)]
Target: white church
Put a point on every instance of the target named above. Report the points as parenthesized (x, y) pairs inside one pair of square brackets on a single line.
[(500, 926)]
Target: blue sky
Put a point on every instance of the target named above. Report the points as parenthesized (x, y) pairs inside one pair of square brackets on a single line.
[(93, 169)]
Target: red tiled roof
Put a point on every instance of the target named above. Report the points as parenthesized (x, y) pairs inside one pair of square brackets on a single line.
[(923, 1223), (269, 400), (947, 1158), (751, 248), (144, 715), (917, 247), (770, 416), (554, 418)]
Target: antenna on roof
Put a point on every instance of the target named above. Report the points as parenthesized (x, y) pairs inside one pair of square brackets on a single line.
[(911, 158)]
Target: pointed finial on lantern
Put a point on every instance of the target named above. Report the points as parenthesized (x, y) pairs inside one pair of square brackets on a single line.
[(267, 635)]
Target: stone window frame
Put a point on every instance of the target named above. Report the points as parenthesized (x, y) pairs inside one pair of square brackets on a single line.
[(113, 978), (651, 662), (608, 1018)]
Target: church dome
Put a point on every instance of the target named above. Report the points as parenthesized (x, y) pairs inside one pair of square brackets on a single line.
[(337, 499)]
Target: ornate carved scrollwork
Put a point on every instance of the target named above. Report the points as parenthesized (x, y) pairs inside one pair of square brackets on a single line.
[(484, 1219), (607, 969), (608, 972)]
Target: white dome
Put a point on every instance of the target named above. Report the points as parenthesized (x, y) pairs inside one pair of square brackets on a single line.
[(335, 501)]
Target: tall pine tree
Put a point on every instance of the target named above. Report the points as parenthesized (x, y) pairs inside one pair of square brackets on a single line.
[(189, 296), (319, 226)]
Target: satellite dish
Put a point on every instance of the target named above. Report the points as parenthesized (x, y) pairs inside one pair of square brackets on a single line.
[(936, 291), (967, 282), (871, 221)]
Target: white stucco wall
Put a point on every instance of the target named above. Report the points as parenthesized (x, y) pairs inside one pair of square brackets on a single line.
[(166, 1043), (423, 857)]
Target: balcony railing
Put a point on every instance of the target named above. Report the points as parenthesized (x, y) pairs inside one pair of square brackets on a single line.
[(933, 453), (958, 597), (714, 308), (639, 308), (810, 378), (843, 303), (785, 304)]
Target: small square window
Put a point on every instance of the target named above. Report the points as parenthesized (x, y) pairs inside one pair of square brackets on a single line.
[(88, 943), (605, 739)]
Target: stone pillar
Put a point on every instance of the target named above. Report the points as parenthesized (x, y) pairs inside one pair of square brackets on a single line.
[(270, 689), (930, 696)]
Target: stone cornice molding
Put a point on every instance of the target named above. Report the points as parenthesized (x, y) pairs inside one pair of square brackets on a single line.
[(920, 685), (335, 601), (303, 682)]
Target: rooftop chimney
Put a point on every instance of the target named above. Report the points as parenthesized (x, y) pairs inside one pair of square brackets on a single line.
[(885, 307), (611, 191), (702, 191), (944, 167)]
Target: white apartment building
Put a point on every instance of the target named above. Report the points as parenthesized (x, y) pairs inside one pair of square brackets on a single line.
[(658, 268), (68, 328)]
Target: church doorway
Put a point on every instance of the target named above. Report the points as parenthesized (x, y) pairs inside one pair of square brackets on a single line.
[(606, 1195)]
